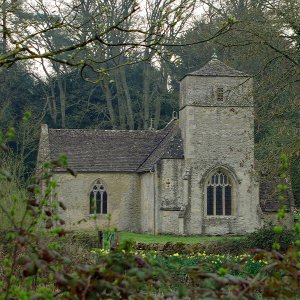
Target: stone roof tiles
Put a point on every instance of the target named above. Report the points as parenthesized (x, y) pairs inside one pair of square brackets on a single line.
[(170, 147), (93, 150), (217, 68)]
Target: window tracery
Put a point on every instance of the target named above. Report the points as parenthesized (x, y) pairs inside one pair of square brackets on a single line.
[(219, 195), (98, 199)]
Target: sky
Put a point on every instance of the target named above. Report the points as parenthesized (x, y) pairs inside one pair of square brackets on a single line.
[(54, 6)]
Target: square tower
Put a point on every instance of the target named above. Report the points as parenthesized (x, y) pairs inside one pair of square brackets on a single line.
[(217, 124)]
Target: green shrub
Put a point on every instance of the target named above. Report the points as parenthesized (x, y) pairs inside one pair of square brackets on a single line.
[(265, 237), (295, 180), (36, 266), (12, 194), (233, 247)]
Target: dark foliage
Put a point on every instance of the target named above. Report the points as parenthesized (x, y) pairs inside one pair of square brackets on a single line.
[(265, 237), (233, 247)]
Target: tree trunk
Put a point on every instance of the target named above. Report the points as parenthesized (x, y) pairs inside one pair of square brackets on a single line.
[(108, 96), (51, 99), (121, 106), (162, 93), (157, 111), (62, 98), (130, 117), (4, 26), (146, 94)]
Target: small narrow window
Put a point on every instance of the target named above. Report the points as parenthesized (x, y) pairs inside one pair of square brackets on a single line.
[(220, 94), (98, 199)]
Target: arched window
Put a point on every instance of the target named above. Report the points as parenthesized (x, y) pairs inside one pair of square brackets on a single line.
[(219, 195), (98, 199)]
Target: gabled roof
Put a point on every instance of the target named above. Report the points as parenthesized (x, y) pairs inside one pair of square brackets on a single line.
[(170, 147), (93, 150), (217, 68)]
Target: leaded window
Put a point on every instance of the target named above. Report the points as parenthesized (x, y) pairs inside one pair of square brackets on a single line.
[(98, 199), (219, 195)]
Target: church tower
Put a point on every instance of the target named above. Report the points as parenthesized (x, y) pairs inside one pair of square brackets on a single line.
[(217, 126)]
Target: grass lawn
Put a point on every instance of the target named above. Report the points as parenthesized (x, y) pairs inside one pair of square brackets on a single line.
[(162, 239)]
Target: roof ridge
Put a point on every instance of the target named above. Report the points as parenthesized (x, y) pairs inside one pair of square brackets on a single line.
[(215, 67), (170, 123), (152, 151), (104, 130)]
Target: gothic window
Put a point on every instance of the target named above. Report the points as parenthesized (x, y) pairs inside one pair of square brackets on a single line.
[(219, 195), (220, 94), (98, 199)]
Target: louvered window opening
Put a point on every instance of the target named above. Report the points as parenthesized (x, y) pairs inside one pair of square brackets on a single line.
[(98, 199), (220, 94), (219, 198)]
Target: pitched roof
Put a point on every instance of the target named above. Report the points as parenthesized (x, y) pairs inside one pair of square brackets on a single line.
[(93, 150), (170, 147), (217, 68)]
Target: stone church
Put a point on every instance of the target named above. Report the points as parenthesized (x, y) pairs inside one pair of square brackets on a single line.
[(195, 176)]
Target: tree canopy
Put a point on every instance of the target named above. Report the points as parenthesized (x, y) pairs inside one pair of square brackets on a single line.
[(115, 64)]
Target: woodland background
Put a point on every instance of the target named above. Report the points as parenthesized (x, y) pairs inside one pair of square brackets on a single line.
[(115, 64)]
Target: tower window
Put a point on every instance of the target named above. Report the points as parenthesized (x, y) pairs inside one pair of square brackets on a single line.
[(98, 199), (219, 195), (220, 94)]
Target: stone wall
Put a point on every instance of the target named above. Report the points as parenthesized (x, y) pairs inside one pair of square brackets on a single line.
[(271, 219), (202, 91), (170, 222), (123, 200), (219, 135), (148, 196), (171, 199), (171, 184)]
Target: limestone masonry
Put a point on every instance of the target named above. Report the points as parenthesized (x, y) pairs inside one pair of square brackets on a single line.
[(195, 176)]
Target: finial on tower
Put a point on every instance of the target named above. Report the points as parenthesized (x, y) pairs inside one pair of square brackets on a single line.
[(214, 55)]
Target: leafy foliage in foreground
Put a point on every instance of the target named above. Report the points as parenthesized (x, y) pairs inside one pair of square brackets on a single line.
[(35, 266)]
